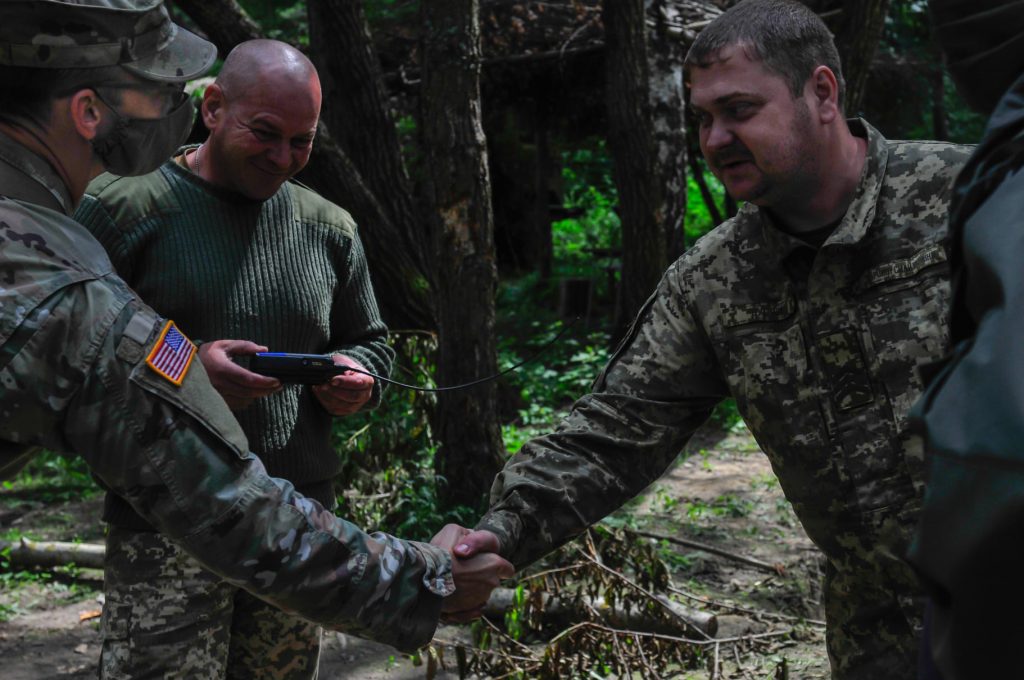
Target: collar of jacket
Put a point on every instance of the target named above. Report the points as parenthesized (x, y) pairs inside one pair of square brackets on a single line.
[(24, 176), (859, 215)]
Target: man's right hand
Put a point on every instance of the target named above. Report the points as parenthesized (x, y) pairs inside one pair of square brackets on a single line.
[(475, 577), (238, 386)]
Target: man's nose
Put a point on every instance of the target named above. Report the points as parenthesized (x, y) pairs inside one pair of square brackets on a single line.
[(280, 155), (718, 136)]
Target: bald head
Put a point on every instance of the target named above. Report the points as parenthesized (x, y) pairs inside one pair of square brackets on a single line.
[(262, 113), (257, 63)]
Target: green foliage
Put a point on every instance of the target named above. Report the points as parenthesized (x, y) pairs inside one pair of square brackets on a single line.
[(289, 23), (698, 218), (909, 106), (387, 480), (54, 477), (382, 11), (589, 193)]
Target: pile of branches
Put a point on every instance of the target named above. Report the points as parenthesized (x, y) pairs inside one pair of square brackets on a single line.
[(603, 606)]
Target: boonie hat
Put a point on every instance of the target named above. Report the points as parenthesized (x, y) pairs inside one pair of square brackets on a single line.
[(136, 34)]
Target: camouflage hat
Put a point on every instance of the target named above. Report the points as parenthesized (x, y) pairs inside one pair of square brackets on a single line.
[(136, 34)]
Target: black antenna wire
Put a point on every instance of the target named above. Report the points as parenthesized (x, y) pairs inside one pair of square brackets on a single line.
[(480, 381)]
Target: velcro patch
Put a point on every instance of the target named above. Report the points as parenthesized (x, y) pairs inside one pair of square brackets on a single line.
[(172, 354)]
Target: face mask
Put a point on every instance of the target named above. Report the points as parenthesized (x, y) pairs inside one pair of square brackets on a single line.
[(137, 146)]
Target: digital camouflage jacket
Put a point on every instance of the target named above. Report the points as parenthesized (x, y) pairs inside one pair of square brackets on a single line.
[(76, 377), (820, 349)]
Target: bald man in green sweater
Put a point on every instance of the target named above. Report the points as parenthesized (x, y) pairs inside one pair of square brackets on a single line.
[(221, 241)]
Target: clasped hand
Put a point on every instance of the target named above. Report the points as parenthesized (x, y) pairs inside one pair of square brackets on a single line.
[(477, 571)]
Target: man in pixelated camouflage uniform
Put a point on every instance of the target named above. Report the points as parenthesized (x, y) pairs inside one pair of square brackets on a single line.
[(813, 307), (87, 368), (968, 547)]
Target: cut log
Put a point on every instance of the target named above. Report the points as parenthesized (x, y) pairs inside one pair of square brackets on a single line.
[(28, 553)]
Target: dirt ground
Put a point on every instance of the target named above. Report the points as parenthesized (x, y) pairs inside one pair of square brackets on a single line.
[(723, 495)]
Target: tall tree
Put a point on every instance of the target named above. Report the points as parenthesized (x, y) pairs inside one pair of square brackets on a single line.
[(646, 136), (361, 120), (458, 187), (857, 37)]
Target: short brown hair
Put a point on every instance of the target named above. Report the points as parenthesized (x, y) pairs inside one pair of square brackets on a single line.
[(786, 36)]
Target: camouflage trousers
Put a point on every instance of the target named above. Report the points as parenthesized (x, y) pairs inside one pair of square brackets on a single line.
[(166, 617), (874, 603)]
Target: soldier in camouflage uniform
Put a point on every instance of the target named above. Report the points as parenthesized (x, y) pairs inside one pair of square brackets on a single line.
[(87, 368), (813, 308)]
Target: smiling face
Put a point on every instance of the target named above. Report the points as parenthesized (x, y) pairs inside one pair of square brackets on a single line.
[(757, 138), (260, 135)]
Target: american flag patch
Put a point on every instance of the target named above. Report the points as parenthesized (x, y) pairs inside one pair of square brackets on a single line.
[(172, 354)]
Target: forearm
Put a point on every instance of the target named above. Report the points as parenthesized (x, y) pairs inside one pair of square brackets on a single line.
[(607, 450), (176, 454)]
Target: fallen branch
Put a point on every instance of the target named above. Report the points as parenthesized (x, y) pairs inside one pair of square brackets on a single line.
[(774, 616), (778, 568), (563, 610), (28, 553)]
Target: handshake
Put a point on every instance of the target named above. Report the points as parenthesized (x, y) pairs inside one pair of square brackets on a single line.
[(476, 568)]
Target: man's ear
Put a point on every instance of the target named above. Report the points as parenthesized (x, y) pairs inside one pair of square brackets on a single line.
[(824, 90), (213, 106), (87, 113)]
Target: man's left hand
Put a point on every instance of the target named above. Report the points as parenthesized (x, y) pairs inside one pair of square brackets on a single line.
[(346, 393)]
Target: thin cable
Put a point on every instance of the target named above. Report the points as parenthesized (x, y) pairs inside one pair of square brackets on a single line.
[(480, 381)]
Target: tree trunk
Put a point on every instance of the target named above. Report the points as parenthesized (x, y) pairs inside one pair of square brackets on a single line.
[(665, 56), (224, 22), (362, 122), (458, 187), (542, 248), (399, 280), (647, 143), (398, 273), (857, 37)]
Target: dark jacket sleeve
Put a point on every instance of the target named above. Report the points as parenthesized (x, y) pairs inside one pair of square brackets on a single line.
[(970, 544)]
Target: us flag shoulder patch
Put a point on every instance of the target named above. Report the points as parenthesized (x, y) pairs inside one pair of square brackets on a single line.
[(172, 354)]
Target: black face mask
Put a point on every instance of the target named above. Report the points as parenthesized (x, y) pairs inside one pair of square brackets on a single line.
[(137, 146)]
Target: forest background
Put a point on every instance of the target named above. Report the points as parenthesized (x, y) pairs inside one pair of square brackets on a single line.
[(514, 166)]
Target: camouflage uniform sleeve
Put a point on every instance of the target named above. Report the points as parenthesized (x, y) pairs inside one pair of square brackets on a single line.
[(179, 457), (659, 387)]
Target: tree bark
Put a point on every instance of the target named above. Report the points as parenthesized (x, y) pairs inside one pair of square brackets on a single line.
[(361, 119), (28, 553), (647, 143), (860, 30), (396, 263), (458, 187), (224, 22)]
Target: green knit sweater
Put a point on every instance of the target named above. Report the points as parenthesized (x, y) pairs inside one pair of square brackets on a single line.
[(288, 273)]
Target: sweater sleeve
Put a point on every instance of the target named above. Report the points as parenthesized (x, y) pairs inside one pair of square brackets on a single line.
[(93, 214), (357, 330)]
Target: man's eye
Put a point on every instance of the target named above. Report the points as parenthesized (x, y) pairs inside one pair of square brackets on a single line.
[(302, 143), (741, 109), (263, 135), (703, 119)]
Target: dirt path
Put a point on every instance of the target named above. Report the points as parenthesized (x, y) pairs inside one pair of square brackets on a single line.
[(723, 495)]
